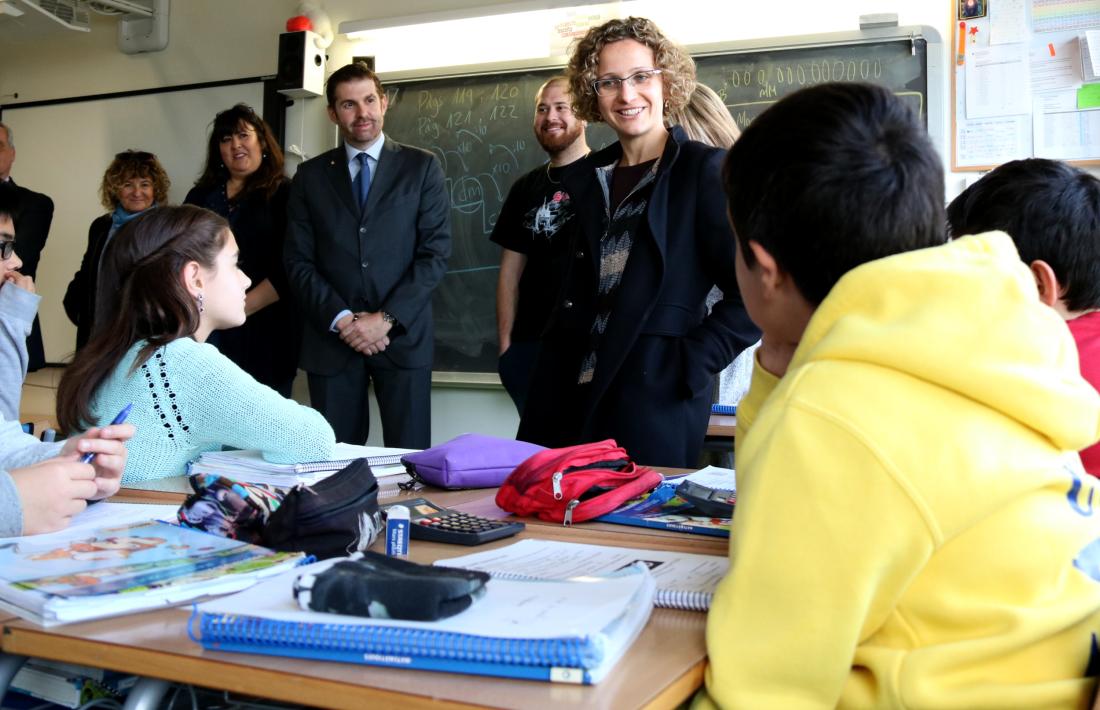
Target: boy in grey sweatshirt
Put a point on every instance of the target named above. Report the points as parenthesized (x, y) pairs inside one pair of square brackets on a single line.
[(42, 485)]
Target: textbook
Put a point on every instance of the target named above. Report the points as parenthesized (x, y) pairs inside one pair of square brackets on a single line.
[(662, 509), (564, 631), (684, 580), (249, 466), (88, 573)]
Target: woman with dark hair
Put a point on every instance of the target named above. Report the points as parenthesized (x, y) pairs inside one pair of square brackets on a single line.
[(171, 279), (133, 183), (243, 181), (631, 351)]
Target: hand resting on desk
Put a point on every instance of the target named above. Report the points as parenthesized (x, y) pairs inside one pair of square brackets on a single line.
[(51, 492)]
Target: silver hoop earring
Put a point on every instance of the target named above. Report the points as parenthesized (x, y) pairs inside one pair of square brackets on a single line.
[(199, 299)]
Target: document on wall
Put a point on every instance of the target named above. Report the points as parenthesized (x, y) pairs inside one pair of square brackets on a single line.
[(994, 76), (1008, 22), (1055, 66), (993, 141), (1066, 134), (1062, 15)]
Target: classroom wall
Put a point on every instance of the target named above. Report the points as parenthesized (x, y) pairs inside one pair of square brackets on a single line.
[(222, 39)]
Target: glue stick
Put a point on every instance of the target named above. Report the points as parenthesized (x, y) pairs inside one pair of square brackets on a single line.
[(397, 531)]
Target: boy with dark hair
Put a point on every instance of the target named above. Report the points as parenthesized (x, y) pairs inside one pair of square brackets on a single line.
[(1052, 212), (913, 528)]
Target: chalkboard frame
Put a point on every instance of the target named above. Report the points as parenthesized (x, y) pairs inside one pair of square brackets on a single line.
[(935, 110)]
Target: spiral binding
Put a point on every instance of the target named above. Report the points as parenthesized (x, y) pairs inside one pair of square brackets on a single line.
[(579, 652), (686, 599)]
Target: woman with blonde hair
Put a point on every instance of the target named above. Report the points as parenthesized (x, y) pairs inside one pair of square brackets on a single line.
[(706, 119), (134, 182), (631, 352)]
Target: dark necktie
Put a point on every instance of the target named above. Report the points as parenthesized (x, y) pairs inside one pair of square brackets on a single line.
[(362, 180)]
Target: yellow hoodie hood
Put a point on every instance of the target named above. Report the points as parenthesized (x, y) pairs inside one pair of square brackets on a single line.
[(872, 317)]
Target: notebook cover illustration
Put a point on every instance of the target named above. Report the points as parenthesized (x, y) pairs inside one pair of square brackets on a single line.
[(661, 508)]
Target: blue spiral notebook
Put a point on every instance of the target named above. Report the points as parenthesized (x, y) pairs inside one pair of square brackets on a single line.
[(571, 631)]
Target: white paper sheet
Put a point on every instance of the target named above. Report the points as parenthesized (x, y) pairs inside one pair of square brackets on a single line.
[(1060, 71), (993, 141), (994, 76), (1066, 135), (1007, 21)]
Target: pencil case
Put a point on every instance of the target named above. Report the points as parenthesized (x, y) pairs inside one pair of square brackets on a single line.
[(469, 461), (334, 517)]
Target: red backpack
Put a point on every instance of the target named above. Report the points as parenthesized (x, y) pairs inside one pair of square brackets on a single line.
[(576, 483)]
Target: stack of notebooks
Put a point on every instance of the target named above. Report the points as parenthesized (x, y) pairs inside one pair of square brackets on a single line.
[(249, 466), (92, 572), (564, 631)]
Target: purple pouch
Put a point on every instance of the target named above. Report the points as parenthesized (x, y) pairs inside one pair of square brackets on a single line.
[(469, 461)]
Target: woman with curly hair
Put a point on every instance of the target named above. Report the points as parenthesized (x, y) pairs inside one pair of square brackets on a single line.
[(631, 352), (243, 181), (133, 183)]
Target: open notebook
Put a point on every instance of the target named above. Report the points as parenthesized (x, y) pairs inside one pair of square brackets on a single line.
[(566, 631), (684, 580)]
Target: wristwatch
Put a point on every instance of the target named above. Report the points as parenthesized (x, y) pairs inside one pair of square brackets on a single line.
[(389, 318)]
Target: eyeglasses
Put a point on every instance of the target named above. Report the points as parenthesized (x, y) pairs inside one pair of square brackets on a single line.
[(7, 248), (612, 86)]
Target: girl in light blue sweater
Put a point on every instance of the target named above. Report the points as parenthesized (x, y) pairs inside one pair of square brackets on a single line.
[(173, 279)]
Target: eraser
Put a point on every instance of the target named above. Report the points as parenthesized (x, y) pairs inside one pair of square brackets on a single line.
[(397, 531)]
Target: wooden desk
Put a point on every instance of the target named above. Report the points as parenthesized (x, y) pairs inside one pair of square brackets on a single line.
[(722, 426), (663, 668)]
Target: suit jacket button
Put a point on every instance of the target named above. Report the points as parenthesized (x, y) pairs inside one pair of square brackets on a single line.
[(362, 230), (567, 304), (366, 264), (580, 254)]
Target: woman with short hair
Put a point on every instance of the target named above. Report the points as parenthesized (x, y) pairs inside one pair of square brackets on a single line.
[(134, 182)]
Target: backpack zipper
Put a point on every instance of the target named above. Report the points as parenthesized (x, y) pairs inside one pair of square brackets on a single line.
[(568, 519), (555, 482)]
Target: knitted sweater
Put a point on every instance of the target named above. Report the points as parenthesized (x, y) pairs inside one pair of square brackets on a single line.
[(189, 398)]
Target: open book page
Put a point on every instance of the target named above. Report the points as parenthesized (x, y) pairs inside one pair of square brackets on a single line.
[(509, 609), (93, 570), (550, 559), (114, 514)]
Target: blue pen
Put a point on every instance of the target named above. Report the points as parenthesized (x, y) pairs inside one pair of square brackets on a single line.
[(90, 456)]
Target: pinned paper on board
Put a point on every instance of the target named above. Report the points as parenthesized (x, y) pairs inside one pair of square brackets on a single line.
[(1090, 55), (994, 76)]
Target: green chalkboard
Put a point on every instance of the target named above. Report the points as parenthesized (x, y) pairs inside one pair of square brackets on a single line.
[(480, 127)]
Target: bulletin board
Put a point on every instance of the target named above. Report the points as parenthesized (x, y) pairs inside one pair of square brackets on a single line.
[(1023, 83)]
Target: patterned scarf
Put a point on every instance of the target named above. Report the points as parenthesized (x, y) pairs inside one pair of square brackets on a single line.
[(615, 246)]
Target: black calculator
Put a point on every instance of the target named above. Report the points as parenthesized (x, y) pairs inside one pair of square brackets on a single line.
[(430, 522)]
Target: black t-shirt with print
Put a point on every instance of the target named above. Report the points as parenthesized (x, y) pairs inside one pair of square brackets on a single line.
[(538, 220)]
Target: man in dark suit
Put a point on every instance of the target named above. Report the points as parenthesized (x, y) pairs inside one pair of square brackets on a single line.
[(368, 240), (33, 226)]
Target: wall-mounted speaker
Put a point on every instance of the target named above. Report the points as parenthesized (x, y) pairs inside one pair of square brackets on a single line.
[(301, 65)]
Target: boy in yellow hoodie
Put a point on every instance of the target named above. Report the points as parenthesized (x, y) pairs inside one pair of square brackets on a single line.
[(913, 527)]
